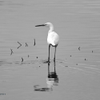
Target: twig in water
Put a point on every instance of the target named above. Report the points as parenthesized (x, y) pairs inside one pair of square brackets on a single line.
[(70, 55), (11, 52), (37, 57), (34, 42), (22, 59), (19, 45), (79, 48), (85, 59), (26, 45)]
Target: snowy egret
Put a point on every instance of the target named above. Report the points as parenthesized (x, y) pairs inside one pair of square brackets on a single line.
[(52, 38)]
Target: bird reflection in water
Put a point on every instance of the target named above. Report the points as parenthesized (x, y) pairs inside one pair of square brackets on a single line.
[(52, 80)]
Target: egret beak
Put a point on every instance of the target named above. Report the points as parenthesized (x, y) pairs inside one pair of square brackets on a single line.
[(40, 25)]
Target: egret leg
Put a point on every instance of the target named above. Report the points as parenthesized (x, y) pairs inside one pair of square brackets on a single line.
[(49, 54), (55, 54), (48, 69), (54, 67)]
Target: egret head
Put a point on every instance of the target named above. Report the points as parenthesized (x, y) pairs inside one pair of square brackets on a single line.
[(48, 24)]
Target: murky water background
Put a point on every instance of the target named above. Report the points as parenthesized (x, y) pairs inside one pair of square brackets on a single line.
[(78, 24)]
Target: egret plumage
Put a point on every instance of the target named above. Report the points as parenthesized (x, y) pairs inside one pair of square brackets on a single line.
[(52, 38)]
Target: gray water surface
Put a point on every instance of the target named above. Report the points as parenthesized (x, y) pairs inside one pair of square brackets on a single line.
[(78, 24)]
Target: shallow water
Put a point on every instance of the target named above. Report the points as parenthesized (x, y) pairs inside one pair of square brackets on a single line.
[(78, 25)]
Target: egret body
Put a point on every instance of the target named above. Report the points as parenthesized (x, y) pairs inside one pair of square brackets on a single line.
[(52, 38)]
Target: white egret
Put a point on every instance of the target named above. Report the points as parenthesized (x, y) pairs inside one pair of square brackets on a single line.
[(52, 38)]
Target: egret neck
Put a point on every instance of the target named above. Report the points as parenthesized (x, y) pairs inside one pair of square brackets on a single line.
[(51, 28)]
